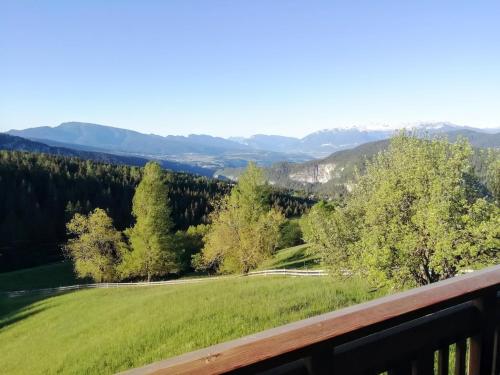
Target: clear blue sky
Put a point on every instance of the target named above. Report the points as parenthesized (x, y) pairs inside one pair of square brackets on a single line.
[(242, 67)]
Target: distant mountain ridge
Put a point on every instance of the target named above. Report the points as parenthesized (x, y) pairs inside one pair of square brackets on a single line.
[(14, 143), (124, 140), (216, 153), (200, 150), (322, 143), (334, 173)]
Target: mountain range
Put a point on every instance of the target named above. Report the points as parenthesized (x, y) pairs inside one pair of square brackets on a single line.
[(319, 159), (14, 143), (324, 142), (332, 175), (200, 150)]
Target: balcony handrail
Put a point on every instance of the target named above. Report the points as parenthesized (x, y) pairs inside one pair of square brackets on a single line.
[(317, 336)]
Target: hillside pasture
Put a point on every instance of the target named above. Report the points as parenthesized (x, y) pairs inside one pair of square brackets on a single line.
[(47, 276), (102, 331), (297, 257)]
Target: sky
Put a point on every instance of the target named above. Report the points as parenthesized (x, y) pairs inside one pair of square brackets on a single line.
[(236, 68)]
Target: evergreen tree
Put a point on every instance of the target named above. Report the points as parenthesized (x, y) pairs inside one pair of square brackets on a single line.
[(151, 241)]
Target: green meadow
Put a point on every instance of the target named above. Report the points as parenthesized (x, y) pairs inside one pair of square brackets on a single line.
[(47, 276), (296, 257), (102, 331), (62, 274)]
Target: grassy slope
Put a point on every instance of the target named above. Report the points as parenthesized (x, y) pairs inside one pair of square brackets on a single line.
[(106, 330), (61, 274), (292, 257), (48, 276)]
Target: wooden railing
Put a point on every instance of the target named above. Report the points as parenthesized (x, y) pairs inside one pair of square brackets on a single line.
[(450, 327)]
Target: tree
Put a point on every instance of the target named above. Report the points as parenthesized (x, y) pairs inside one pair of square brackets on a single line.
[(330, 231), (95, 246), (244, 229), (290, 234), (414, 218), (150, 238), (40, 193), (188, 243), (493, 177)]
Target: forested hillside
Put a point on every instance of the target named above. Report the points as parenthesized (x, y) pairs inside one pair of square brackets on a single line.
[(14, 143), (39, 193)]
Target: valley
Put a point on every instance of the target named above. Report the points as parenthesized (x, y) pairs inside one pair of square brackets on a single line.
[(215, 156)]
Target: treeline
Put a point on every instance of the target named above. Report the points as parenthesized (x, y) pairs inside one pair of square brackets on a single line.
[(423, 211), (39, 193), (244, 230)]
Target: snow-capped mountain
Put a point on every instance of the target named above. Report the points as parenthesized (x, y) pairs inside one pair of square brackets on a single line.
[(324, 142)]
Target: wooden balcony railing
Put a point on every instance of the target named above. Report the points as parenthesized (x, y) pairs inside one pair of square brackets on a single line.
[(450, 327)]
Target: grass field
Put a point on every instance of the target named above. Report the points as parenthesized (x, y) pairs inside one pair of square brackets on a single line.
[(101, 331), (293, 257), (48, 276), (61, 274)]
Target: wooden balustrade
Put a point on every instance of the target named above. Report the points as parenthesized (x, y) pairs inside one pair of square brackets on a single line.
[(450, 327)]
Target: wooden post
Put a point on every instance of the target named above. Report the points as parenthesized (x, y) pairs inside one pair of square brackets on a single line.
[(401, 369), (443, 360), (496, 366), (460, 353), (424, 364), (482, 354), (320, 362)]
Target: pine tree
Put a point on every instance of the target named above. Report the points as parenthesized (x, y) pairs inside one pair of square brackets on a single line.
[(152, 251)]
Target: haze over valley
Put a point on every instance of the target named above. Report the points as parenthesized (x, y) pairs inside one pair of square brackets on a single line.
[(317, 161)]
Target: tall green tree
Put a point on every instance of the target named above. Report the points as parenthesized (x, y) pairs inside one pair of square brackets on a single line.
[(95, 246), (189, 244), (245, 230), (152, 251), (493, 177), (414, 218)]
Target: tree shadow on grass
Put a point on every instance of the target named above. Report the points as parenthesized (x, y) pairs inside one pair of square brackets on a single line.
[(295, 256), (297, 259), (304, 263), (19, 316), (16, 309)]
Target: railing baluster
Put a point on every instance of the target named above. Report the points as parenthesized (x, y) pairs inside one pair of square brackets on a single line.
[(443, 361), (401, 369), (320, 362), (482, 354), (424, 364), (496, 368), (460, 353)]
